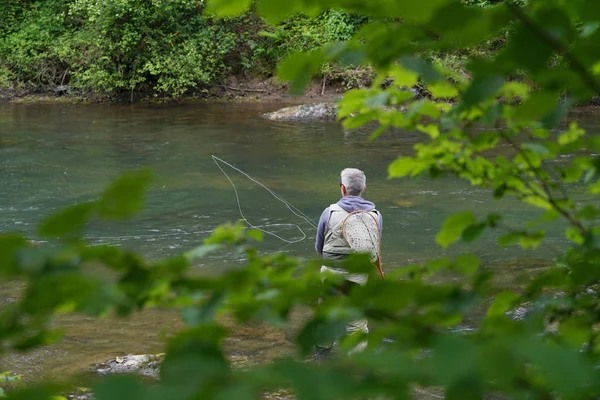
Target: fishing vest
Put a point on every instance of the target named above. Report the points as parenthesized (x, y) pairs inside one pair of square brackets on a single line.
[(334, 240)]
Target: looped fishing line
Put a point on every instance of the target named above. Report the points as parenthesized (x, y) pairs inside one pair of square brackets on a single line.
[(289, 205)]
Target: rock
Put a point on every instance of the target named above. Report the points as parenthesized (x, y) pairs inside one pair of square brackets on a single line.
[(61, 89), (142, 364), (519, 313), (80, 394), (304, 112)]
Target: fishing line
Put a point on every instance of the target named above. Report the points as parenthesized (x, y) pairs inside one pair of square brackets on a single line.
[(289, 205)]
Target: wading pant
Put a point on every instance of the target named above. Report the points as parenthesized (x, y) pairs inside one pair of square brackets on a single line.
[(359, 325)]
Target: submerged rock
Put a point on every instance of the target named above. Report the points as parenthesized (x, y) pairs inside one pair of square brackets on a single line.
[(142, 364), (304, 112)]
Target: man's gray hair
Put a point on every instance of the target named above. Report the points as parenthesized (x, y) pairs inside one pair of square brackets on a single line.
[(354, 180)]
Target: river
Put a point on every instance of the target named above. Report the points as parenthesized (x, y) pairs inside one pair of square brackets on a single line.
[(53, 156)]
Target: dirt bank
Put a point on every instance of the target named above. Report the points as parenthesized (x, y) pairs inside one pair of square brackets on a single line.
[(237, 89)]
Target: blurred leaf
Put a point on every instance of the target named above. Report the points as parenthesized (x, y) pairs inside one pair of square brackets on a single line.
[(571, 135), (124, 197), (10, 247), (576, 330), (403, 77), (119, 388), (401, 167), (537, 148), (442, 90), (525, 239), (377, 100), (319, 332), (422, 68), (503, 302), (574, 235), (255, 234), (473, 232), (227, 8), (538, 105), (299, 68), (466, 264), (453, 228), (480, 89), (275, 11), (69, 221), (202, 251)]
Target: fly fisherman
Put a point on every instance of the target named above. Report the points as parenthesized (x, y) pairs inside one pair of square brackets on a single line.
[(332, 243)]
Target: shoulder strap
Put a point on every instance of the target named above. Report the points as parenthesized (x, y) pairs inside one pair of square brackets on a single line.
[(336, 207)]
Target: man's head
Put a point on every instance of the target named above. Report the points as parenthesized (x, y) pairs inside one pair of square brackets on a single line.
[(353, 182)]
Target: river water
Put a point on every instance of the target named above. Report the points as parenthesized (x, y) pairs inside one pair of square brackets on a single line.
[(53, 156)]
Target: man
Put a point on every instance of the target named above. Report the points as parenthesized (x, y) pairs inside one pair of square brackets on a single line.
[(330, 241)]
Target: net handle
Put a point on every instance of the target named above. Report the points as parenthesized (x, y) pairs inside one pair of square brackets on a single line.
[(378, 261)]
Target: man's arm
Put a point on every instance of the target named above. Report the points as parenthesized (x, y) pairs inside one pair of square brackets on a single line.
[(320, 240)]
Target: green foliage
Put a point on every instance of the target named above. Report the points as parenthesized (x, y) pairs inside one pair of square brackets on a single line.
[(498, 135), (162, 47)]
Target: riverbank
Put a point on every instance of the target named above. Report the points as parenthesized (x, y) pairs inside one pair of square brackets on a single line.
[(235, 89)]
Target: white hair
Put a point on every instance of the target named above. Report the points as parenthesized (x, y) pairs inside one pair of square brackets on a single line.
[(354, 180)]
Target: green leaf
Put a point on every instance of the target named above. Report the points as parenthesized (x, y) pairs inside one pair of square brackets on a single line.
[(538, 105), (377, 132), (589, 212), (503, 302), (423, 68), (537, 148), (401, 167), (299, 68), (255, 235), (537, 201), (571, 135), (466, 264), (275, 11), (202, 251), (377, 100), (320, 332), (547, 216), (9, 377), (473, 232), (124, 197), (510, 238), (430, 129), (419, 11), (403, 77), (576, 330), (527, 240), (443, 90), (480, 89), (355, 122), (227, 8), (453, 228), (574, 235), (10, 247), (119, 388), (69, 221)]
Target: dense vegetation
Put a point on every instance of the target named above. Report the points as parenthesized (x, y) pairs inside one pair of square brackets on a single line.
[(167, 48), (163, 47), (499, 134)]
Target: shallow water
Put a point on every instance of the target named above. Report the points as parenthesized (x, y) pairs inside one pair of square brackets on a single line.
[(52, 156)]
